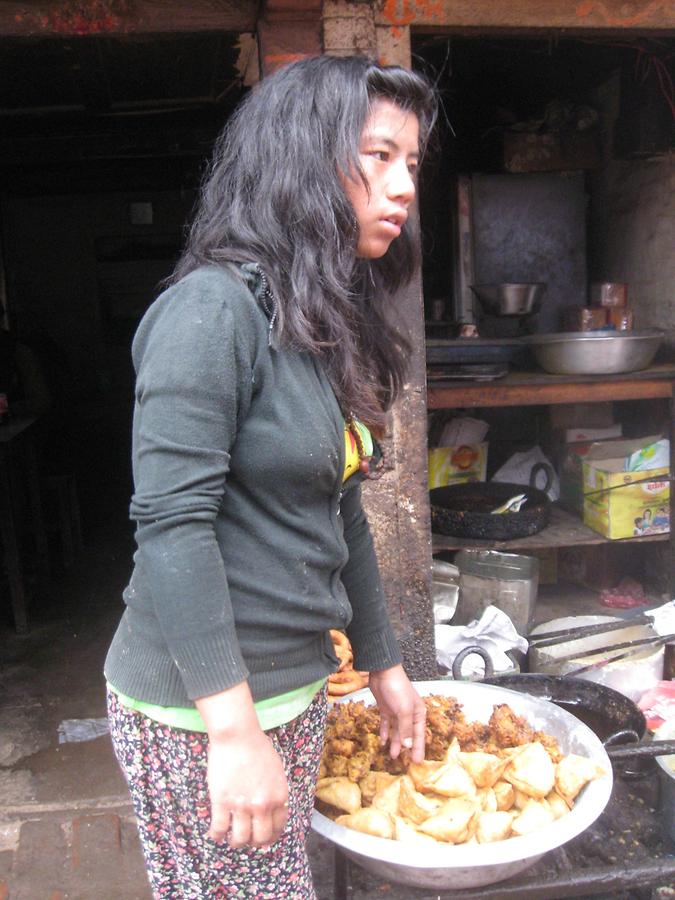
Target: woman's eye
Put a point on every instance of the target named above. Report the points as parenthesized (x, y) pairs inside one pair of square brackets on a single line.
[(382, 155)]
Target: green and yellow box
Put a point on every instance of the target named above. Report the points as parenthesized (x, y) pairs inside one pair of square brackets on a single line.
[(457, 465), (620, 504)]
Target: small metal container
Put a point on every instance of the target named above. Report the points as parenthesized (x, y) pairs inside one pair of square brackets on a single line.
[(515, 299), (595, 353)]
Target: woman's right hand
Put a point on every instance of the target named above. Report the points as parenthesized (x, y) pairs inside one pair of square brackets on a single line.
[(245, 775)]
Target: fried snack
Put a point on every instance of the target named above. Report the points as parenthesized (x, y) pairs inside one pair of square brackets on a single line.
[(531, 771), (369, 821), (346, 680), (421, 772), (556, 804), (535, 815), (413, 805), (493, 826), (505, 795), (404, 831), (373, 783), (388, 798), (340, 793), (451, 780), (342, 647), (478, 786), (455, 822), (572, 773), (484, 768), (487, 799)]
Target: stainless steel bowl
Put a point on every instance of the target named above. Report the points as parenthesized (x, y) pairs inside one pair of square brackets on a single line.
[(595, 353), (510, 299), (473, 865)]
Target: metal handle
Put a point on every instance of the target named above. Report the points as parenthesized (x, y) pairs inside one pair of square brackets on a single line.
[(548, 472), (468, 651), (642, 749), (625, 736)]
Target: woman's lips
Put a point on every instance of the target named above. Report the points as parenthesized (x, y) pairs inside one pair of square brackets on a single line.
[(391, 226)]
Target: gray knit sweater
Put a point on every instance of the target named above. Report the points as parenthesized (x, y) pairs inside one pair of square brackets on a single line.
[(249, 546)]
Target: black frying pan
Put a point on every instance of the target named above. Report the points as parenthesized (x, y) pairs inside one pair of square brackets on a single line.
[(465, 510)]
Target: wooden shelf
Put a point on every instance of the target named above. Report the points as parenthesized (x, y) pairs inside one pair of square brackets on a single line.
[(565, 530), (541, 389)]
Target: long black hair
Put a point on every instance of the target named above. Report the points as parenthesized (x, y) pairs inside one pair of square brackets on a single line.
[(273, 195)]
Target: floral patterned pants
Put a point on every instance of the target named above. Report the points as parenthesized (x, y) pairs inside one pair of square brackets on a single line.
[(166, 771)]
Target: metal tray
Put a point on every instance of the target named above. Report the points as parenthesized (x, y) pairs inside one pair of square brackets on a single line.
[(463, 351)]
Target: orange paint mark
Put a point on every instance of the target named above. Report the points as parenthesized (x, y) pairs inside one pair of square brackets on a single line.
[(599, 8), (279, 59), (401, 13)]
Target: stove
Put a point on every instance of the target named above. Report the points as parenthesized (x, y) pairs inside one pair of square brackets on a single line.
[(622, 856)]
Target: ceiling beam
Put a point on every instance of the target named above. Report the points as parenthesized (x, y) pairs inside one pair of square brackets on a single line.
[(42, 18), (576, 16)]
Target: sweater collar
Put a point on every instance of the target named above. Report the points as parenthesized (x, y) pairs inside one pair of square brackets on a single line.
[(258, 284)]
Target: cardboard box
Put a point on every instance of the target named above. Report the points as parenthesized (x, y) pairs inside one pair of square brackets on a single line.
[(620, 504), (456, 465), (581, 415), (583, 435)]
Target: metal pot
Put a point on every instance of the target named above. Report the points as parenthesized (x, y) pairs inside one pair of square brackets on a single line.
[(632, 676), (464, 866), (595, 353), (465, 510)]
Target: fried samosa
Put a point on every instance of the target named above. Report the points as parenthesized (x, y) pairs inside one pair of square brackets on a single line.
[(455, 822), (531, 771), (339, 792), (369, 820)]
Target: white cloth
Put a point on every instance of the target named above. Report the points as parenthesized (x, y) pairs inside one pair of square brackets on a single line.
[(494, 632)]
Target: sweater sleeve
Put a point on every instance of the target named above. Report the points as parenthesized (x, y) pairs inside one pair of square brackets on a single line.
[(193, 358), (370, 632)]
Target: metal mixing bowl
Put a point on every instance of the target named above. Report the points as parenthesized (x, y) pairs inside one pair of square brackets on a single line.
[(595, 353), (510, 299), (473, 865)]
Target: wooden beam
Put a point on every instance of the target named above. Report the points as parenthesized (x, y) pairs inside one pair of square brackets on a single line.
[(287, 32), (571, 15), (41, 18)]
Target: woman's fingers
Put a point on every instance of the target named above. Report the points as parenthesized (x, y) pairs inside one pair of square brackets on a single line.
[(243, 827), (220, 822)]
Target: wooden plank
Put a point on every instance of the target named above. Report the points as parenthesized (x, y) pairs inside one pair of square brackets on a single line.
[(539, 389), (580, 16), (40, 18), (565, 530)]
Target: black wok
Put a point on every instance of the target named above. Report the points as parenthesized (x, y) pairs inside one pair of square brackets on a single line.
[(465, 510)]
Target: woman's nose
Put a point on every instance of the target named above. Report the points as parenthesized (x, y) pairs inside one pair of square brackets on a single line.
[(401, 184)]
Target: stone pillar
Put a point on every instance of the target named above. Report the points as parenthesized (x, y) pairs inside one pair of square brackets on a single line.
[(398, 504)]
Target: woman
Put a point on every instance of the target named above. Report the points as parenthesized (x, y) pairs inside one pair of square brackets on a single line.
[(268, 359)]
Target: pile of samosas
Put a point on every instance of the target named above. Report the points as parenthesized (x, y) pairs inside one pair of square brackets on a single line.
[(479, 783)]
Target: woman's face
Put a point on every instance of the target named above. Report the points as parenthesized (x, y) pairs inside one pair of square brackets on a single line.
[(389, 155)]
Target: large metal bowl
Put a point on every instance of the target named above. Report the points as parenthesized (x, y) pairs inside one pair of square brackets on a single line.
[(474, 865), (595, 353), (515, 299)]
